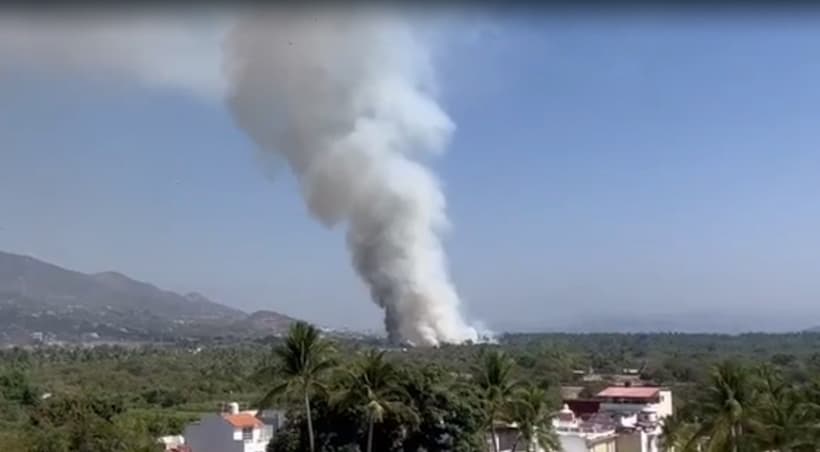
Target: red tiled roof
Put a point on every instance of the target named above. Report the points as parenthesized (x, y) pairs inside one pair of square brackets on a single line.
[(243, 420), (632, 392)]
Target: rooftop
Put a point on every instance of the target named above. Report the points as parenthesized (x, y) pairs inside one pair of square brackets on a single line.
[(630, 392), (243, 420)]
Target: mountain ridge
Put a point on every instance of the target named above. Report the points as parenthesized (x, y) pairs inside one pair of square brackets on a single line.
[(41, 297)]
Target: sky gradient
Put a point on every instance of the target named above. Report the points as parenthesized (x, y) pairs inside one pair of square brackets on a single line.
[(602, 167)]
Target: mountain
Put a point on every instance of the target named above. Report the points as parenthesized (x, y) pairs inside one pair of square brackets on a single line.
[(42, 299), (265, 321)]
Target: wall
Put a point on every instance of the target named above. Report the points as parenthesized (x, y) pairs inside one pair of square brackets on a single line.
[(605, 446), (259, 443), (665, 407), (573, 443), (622, 407), (212, 434), (630, 442)]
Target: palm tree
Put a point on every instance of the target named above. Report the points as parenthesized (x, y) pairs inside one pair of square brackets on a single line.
[(531, 412), (372, 385), (784, 420), (495, 379), (727, 409), (303, 359), (676, 434)]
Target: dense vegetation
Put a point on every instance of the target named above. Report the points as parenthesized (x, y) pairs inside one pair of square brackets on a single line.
[(732, 393)]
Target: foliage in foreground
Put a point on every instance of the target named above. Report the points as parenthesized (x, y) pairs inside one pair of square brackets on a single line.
[(116, 398), (748, 409)]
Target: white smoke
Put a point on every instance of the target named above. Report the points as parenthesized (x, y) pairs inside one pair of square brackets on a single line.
[(347, 98), (171, 49)]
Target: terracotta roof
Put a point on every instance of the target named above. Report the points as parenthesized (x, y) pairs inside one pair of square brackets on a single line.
[(243, 420), (632, 392)]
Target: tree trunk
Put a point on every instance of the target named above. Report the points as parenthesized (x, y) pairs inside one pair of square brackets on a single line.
[(311, 441), (370, 436), (733, 434), (515, 443), (494, 437)]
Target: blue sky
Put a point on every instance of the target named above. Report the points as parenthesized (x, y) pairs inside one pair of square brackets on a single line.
[(602, 166)]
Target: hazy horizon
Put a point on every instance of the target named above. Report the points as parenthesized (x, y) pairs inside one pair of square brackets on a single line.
[(601, 168)]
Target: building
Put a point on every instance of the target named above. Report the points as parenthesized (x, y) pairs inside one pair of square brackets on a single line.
[(595, 434), (628, 425), (608, 431), (233, 431), (631, 399), (583, 408)]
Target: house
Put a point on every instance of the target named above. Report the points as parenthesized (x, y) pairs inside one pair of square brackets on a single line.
[(622, 429), (579, 435), (233, 431), (631, 399)]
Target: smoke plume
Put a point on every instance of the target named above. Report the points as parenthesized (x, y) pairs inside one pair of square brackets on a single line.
[(347, 98)]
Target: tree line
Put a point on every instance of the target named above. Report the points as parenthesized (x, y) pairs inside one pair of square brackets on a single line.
[(371, 403), (743, 393), (748, 408)]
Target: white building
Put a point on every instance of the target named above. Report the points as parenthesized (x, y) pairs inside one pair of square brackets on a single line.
[(625, 419), (576, 435), (630, 400), (613, 430), (639, 432), (232, 431)]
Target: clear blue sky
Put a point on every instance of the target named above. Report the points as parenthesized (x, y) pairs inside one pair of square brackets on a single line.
[(601, 166)]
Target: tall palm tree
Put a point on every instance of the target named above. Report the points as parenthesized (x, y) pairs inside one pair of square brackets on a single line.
[(727, 409), (532, 412), (372, 385), (676, 434), (303, 359), (494, 376), (784, 420)]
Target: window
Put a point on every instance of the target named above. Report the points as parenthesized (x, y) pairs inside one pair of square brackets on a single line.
[(247, 433)]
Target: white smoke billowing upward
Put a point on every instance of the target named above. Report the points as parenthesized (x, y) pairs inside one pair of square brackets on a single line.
[(347, 99)]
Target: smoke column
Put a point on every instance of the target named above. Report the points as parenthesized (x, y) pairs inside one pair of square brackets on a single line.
[(346, 97)]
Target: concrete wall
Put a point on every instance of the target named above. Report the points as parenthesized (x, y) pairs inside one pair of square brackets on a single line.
[(259, 442), (665, 407), (605, 446), (573, 443), (630, 442), (212, 434)]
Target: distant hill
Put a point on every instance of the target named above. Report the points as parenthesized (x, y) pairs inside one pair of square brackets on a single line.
[(265, 321), (61, 304)]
